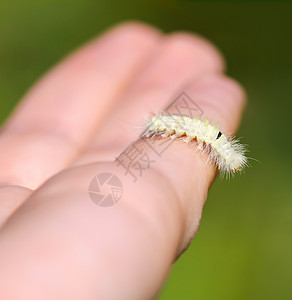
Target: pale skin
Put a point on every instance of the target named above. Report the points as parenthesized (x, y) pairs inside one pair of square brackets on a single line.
[(55, 243)]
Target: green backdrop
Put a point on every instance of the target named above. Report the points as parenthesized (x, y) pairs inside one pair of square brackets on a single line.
[(243, 249)]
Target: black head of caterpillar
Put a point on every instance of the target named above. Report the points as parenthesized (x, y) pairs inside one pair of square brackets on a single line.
[(219, 134)]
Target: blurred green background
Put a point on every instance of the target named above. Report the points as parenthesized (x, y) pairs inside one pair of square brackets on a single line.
[(243, 249)]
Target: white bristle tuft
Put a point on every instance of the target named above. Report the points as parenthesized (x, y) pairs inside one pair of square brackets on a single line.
[(226, 153)]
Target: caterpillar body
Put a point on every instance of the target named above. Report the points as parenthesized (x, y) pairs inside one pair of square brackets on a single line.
[(225, 152)]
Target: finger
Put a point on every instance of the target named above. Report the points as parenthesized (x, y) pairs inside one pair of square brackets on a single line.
[(80, 250), (221, 100), (57, 117), (130, 245), (181, 58)]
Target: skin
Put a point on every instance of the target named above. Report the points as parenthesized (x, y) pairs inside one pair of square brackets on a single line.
[(55, 243)]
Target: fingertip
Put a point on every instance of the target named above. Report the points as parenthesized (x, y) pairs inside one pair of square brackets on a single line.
[(223, 85), (210, 55), (219, 98), (136, 30)]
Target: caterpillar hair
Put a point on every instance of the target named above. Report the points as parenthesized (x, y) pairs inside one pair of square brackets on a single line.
[(226, 153)]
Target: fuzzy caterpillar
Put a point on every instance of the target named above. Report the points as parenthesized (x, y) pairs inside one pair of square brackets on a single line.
[(226, 153)]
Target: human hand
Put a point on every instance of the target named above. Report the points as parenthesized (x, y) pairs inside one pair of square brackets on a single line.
[(69, 128)]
